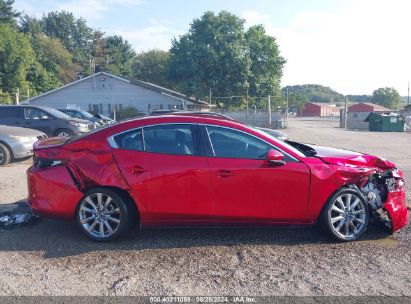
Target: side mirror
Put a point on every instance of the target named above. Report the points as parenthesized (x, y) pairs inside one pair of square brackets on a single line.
[(275, 157), (44, 117)]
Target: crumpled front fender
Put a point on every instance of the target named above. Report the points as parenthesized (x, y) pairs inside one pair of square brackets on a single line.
[(397, 209)]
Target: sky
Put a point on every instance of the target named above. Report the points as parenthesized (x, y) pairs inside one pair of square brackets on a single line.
[(352, 46)]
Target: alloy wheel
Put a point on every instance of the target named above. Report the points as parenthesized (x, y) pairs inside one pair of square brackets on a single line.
[(348, 216), (1, 156), (100, 216), (63, 134)]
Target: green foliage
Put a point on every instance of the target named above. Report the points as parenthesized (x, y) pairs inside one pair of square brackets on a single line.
[(5, 98), (119, 54), (16, 59), (74, 33), (266, 63), (129, 112), (151, 66), (211, 55), (315, 93), (7, 14), (359, 98), (387, 97)]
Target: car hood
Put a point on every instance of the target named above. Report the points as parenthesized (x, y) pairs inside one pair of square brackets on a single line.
[(77, 120), (342, 157), (16, 131)]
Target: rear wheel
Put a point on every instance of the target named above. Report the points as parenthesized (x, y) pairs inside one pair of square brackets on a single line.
[(103, 214), (64, 133), (345, 216), (5, 155)]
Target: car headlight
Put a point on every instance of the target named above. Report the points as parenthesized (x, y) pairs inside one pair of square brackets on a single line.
[(79, 125), (26, 139)]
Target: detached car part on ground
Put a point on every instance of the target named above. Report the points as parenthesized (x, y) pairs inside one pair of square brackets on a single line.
[(17, 143), (206, 171)]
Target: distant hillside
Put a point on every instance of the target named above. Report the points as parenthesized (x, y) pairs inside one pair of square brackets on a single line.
[(315, 93)]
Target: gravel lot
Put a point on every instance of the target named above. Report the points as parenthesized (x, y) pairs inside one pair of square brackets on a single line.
[(53, 258)]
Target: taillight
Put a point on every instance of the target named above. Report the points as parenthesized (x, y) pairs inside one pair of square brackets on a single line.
[(43, 163)]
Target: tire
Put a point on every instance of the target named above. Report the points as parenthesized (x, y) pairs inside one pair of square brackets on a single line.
[(64, 133), (5, 155), (345, 216), (103, 214)]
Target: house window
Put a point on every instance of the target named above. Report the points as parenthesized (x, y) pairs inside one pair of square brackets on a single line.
[(169, 106), (101, 108), (95, 108), (161, 106), (120, 107), (149, 108)]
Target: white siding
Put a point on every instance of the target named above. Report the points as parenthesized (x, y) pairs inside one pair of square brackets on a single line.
[(103, 91)]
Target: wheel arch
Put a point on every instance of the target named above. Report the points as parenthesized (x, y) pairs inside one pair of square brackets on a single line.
[(131, 203), (8, 147)]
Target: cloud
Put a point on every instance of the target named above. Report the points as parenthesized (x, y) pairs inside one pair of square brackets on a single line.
[(94, 9), (156, 35), (253, 17), (355, 49)]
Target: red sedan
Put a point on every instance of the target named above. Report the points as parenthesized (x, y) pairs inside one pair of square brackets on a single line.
[(209, 171)]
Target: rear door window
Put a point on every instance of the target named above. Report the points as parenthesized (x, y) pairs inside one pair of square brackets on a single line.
[(131, 140), (11, 112), (170, 139)]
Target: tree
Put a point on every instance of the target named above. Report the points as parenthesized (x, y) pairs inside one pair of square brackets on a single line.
[(211, 56), (16, 59), (7, 14), (152, 66), (387, 97), (119, 54), (30, 25), (55, 58), (266, 63), (74, 33)]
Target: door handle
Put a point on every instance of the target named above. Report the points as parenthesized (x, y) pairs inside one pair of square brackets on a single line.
[(137, 170), (225, 173)]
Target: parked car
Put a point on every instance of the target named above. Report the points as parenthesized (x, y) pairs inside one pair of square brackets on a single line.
[(16, 143), (80, 114), (45, 119), (275, 133), (204, 171)]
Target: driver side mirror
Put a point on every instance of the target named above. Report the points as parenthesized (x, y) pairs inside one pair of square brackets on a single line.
[(275, 157), (44, 117)]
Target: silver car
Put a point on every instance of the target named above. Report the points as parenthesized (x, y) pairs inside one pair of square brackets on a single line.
[(17, 143)]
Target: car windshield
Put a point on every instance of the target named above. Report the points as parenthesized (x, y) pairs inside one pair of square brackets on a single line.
[(85, 114), (283, 143), (56, 113)]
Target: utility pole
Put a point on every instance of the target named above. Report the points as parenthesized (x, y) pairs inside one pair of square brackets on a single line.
[(286, 111), (18, 96), (269, 111), (209, 100), (345, 112)]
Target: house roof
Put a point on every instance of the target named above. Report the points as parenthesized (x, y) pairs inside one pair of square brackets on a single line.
[(146, 85), (375, 107), (323, 105)]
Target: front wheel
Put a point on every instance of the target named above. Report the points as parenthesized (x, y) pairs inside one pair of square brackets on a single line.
[(5, 155), (102, 215), (345, 216), (64, 133)]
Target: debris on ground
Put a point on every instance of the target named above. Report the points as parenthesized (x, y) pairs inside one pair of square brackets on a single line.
[(15, 215)]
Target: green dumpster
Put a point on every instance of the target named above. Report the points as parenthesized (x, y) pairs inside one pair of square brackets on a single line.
[(386, 122)]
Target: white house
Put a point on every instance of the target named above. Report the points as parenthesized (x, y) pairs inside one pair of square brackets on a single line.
[(101, 92)]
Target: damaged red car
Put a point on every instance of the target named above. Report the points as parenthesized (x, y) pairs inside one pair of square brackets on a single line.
[(201, 170)]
